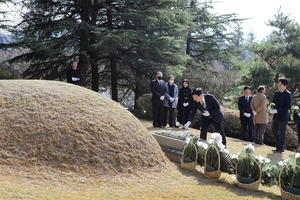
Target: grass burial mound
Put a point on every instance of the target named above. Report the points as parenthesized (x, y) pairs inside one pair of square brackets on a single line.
[(70, 128)]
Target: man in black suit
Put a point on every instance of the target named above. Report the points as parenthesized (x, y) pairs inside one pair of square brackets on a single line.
[(158, 90), (210, 113), (282, 100), (246, 114), (73, 74)]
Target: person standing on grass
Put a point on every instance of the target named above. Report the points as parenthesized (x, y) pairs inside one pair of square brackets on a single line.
[(297, 121), (158, 95), (210, 113), (74, 75), (246, 115), (185, 102), (282, 100), (171, 93), (259, 109)]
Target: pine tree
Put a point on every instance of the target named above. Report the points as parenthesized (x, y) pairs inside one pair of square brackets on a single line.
[(279, 52)]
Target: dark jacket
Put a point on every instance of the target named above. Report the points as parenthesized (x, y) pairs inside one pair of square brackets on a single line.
[(74, 73), (185, 96), (157, 90), (245, 107), (283, 102), (212, 106)]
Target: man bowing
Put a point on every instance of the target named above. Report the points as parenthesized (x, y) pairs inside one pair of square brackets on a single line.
[(210, 113)]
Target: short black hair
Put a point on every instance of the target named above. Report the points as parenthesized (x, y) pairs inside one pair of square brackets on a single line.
[(185, 80), (197, 91), (247, 87), (73, 62), (283, 80), (260, 88)]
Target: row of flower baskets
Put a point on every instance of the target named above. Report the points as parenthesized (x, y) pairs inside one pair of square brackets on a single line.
[(250, 169)]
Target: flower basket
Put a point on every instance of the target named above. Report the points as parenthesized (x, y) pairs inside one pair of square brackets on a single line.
[(208, 173), (286, 191), (189, 165), (243, 184)]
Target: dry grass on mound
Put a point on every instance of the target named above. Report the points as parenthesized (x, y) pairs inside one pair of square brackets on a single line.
[(60, 125)]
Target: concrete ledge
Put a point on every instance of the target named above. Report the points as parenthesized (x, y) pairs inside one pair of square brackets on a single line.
[(168, 142)]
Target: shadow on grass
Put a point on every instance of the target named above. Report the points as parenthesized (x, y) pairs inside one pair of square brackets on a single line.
[(225, 183)]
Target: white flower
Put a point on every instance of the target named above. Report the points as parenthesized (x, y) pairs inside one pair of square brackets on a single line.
[(286, 161), (215, 139), (177, 124), (249, 148), (233, 177), (281, 163), (222, 146), (202, 144), (226, 151), (260, 158), (267, 160), (297, 155)]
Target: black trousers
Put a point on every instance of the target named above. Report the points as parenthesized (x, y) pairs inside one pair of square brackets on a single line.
[(298, 130), (205, 122), (247, 122), (278, 130), (169, 110), (158, 108)]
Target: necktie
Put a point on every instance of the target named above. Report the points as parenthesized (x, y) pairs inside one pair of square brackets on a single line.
[(247, 99), (203, 105)]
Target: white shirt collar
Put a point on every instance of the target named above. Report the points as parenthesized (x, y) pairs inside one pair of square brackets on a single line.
[(282, 91), (203, 100)]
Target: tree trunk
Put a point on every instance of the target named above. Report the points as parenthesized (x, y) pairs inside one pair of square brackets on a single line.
[(137, 89), (93, 55), (188, 44), (114, 81), (112, 60), (84, 40)]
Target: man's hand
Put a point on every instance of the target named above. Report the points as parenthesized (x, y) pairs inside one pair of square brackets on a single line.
[(247, 114), (186, 126), (205, 113), (273, 111), (75, 79), (162, 98)]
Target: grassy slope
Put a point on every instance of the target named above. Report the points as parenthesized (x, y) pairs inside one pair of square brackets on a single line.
[(50, 123)]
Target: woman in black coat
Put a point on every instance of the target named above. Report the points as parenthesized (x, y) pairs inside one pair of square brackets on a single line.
[(185, 101)]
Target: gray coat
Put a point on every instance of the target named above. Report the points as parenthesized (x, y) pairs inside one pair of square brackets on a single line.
[(167, 96)]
